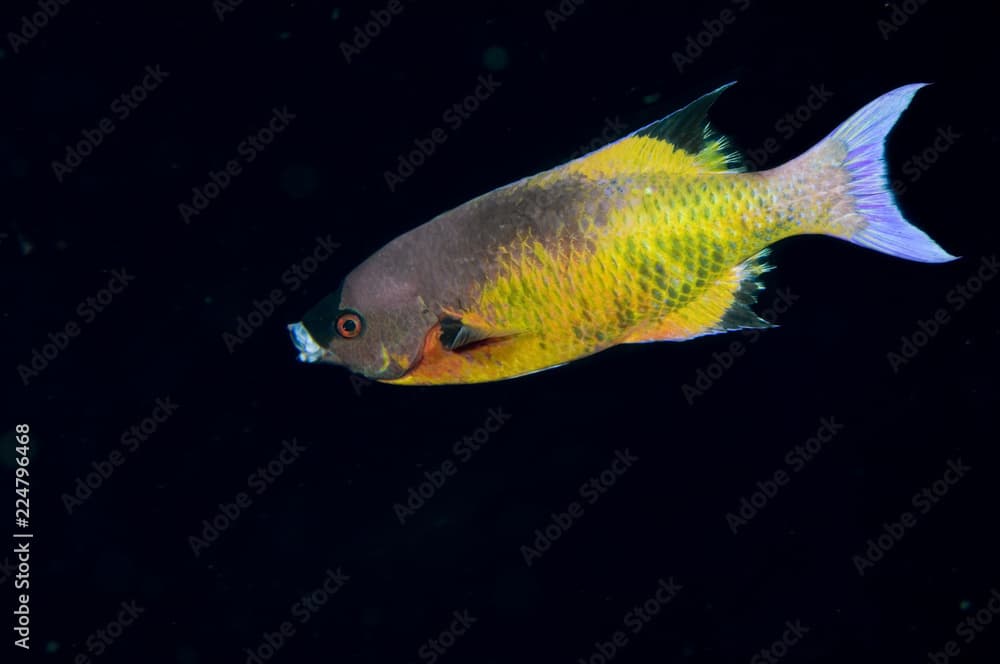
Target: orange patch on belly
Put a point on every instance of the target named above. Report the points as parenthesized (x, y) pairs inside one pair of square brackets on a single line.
[(437, 365)]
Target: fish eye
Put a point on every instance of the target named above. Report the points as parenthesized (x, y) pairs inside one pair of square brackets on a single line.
[(349, 325)]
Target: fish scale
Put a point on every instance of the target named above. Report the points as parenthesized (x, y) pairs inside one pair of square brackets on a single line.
[(604, 293)]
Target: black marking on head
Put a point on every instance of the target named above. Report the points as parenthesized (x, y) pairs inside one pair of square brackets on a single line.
[(321, 320)]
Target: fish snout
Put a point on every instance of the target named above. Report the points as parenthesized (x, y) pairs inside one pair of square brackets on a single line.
[(309, 350)]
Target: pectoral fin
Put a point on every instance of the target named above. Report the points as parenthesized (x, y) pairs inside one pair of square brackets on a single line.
[(457, 333)]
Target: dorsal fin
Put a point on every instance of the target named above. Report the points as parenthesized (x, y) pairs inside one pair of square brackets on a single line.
[(682, 142)]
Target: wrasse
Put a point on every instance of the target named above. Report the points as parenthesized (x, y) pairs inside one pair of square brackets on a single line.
[(659, 236)]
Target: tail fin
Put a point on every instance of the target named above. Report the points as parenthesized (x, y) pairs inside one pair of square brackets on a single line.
[(881, 226)]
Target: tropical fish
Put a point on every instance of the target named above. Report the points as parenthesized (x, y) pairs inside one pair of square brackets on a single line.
[(659, 236)]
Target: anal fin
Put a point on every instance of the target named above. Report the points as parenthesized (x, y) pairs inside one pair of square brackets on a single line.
[(722, 307)]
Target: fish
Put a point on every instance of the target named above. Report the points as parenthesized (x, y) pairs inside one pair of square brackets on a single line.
[(661, 235)]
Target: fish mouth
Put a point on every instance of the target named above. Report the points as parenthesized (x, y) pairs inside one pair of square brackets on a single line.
[(309, 350)]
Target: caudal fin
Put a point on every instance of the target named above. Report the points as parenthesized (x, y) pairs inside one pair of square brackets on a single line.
[(881, 225)]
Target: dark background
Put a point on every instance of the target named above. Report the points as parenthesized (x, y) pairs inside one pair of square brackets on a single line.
[(367, 445)]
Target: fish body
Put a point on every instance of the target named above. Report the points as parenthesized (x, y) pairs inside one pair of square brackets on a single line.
[(659, 236)]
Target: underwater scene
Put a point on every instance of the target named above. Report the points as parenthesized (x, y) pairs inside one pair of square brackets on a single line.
[(568, 331)]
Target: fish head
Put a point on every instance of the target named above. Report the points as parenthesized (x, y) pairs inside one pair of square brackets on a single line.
[(374, 325)]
